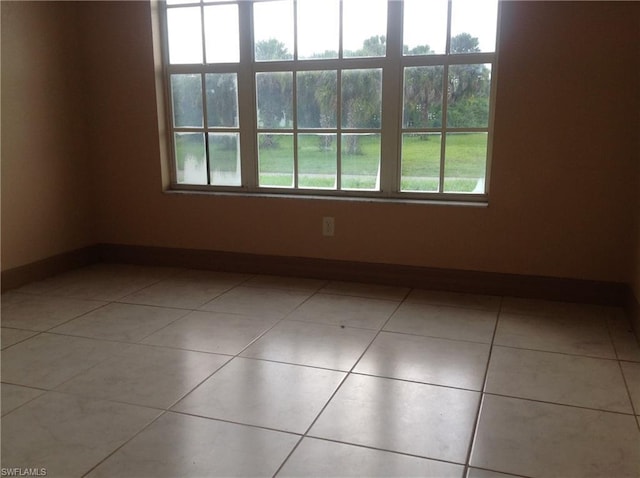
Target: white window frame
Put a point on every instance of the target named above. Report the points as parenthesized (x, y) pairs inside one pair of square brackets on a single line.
[(392, 66)]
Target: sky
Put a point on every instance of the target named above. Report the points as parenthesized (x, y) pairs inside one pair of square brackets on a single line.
[(318, 25)]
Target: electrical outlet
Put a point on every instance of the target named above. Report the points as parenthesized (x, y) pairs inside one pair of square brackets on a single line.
[(328, 226)]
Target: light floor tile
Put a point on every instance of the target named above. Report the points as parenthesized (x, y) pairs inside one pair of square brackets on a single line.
[(372, 291), (106, 282), (288, 283), (345, 311), (541, 440), (424, 420), (624, 340), (316, 345), (551, 377), (564, 335), (267, 394), (555, 309), (9, 337), (632, 376), (68, 435), (35, 312), (120, 322), (47, 360), (13, 396), (189, 290), (211, 332), (150, 376), (444, 322), (320, 458), (181, 445), (257, 302), (478, 473), (426, 359), (455, 299)]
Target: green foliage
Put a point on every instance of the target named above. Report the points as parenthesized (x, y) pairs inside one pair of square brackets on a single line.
[(272, 49)]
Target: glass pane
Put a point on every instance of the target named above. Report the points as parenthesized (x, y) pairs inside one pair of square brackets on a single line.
[(275, 160), (465, 162), (190, 158), (317, 161), (473, 25), (186, 94), (425, 27), (275, 99), (273, 30), (364, 28), (222, 99), (361, 98), (317, 99), (468, 96), (360, 161), (222, 34), (318, 28), (185, 35), (224, 159), (420, 162), (423, 86)]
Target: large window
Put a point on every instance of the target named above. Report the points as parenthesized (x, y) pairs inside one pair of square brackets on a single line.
[(368, 98)]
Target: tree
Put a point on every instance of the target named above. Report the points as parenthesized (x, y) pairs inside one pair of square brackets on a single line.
[(186, 92), (272, 49), (468, 87)]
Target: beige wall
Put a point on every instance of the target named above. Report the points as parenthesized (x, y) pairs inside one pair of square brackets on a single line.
[(46, 206), (564, 154)]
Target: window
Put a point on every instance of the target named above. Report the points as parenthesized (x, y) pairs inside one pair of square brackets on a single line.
[(365, 98)]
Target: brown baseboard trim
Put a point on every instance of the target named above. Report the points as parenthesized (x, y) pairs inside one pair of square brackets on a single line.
[(19, 276), (550, 288), (633, 310)]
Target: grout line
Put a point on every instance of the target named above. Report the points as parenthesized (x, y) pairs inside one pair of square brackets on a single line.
[(474, 431), (579, 407), (621, 368), (335, 392), (395, 452)]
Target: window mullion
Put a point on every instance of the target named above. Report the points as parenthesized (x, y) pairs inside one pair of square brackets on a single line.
[(391, 102), (247, 100)]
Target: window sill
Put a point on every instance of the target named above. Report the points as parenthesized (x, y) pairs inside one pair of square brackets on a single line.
[(478, 201)]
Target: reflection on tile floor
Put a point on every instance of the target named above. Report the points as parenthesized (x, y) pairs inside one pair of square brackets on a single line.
[(118, 370)]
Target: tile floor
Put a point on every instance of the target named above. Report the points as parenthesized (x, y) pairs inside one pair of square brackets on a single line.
[(115, 371)]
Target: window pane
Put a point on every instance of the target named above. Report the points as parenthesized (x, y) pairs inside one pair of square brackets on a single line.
[(423, 86), (364, 28), (425, 27), (222, 100), (360, 161), (273, 30), (473, 25), (224, 159), (468, 96), (317, 99), (275, 160), (318, 28), (191, 165), (185, 35), (420, 162), (275, 105), (465, 162), (317, 161), (361, 98), (222, 34), (186, 95)]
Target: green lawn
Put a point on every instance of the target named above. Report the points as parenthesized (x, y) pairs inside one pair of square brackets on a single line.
[(465, 159)]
